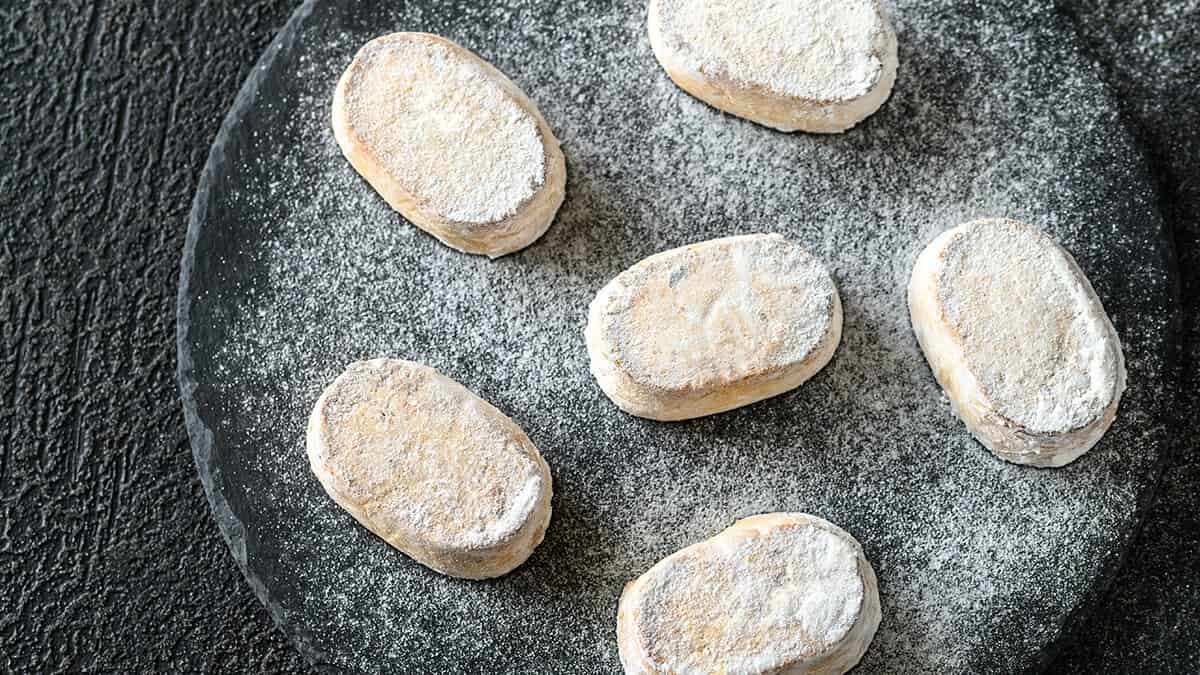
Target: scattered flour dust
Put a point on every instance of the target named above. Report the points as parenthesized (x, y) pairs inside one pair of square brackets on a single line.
[(969, 550)]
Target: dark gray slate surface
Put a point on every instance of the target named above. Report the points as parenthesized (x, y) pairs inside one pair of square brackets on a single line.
[(109, 558), (299, 268), (1151, 51), (294, 267), (107, 550)]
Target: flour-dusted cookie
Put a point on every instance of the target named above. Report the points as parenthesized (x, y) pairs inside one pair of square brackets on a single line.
[(811, 65), (1018, 339), (713, 326), (449, 142), (775, 593), (430, 467)]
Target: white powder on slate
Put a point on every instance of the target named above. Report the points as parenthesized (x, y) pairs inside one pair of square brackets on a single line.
[(985, 120)]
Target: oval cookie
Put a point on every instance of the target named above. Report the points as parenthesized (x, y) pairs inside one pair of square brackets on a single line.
[(820, 66), (1018, 339), (713, 326), (430, 467), (449, 142), (776, 593)]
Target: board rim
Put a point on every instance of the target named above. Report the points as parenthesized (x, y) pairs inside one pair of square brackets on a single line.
[(233, 529)]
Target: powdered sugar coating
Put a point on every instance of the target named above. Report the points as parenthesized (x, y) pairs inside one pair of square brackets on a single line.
[(712, 310), (778, 592), (1032, 332), (302, 269), (423, 459), (712, 326), (824, 50), (445, 128)]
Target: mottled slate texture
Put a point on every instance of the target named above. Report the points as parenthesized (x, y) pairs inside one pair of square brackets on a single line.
[(1151, 53), (109, 559)]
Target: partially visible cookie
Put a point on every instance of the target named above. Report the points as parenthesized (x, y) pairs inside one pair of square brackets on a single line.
[(449, 142), (713, 326), (430, 467), (820, 66), (1016, 336), (776, 593)]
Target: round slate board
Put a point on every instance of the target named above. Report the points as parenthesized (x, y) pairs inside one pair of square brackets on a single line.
[(294, 267)]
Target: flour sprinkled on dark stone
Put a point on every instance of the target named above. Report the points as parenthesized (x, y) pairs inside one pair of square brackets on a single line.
[(300, 268)]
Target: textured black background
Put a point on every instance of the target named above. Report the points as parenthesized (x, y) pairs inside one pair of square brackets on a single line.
[(109, 559)]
